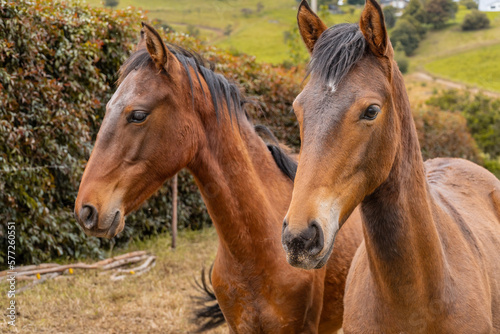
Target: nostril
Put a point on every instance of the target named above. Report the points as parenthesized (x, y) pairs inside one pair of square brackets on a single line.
[(285, 225), (88, 216), (315, 242)]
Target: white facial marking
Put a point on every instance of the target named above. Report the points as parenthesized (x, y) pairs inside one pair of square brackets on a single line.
[(329, 214), (332, 86), (120, 99)]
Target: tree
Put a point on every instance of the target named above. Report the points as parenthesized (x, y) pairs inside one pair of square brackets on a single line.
[(390, 16), (356, 2), (469, 4), (405, 34), (415, 9), (475, 20), (438, 12), (111, 3)]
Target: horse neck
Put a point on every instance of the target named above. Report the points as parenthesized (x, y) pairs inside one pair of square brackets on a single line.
[(245, 192), (402, 242)]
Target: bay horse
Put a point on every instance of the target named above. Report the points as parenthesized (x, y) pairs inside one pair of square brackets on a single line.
[(171, 111), (430, 259)]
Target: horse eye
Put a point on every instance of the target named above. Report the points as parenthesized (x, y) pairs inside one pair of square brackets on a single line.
[(371, 113), (137, 116)]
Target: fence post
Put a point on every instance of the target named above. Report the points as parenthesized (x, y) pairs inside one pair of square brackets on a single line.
[(174, 211), (314, 6)]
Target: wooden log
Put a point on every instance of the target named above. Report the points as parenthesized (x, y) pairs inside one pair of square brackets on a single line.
[(29, 268), (122, 262)]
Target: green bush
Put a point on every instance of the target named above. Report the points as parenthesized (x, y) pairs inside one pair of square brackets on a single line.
[(482, 114), (444, 134), (438, 12), (390, 16), (469, 4), (475, 20), (402, 61), (58, 62), (407, 34)]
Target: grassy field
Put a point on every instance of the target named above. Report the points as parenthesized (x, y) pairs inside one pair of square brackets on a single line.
[(469, 57), (479, 67), (158, 301)]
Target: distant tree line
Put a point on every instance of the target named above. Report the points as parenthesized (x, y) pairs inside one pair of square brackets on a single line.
[(422, 15)]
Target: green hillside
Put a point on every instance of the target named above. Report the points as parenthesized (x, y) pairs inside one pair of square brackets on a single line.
[(257, 27), (470, 57), (254, 29)]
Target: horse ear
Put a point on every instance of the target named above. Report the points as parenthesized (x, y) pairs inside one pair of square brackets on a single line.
[(155, 46), (310, 25), (373, 28)]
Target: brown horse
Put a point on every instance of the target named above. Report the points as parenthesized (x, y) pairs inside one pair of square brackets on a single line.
[(170, 112), (430, 260)]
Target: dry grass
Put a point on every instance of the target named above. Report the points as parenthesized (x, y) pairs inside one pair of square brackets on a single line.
[(157, 302)]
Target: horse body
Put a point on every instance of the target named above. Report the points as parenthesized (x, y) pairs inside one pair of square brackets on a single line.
[(170, 112), (429, 259)]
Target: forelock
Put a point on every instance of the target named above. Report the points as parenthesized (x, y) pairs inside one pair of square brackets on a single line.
[(335, 53)]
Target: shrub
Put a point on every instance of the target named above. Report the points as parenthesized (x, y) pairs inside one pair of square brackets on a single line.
[(390, 16), (482, 114), (444, 134), (469, 4), (414, 9), (111, 3), (57, 62), (407, 35), (438, 12), (402, 61), (475, 20)]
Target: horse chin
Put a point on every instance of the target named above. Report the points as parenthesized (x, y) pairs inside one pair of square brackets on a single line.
[(326, 255), (116, 227)]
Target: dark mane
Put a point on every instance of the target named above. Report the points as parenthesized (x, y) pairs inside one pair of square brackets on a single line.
[(284, 162), (336, 51), (222, 91)]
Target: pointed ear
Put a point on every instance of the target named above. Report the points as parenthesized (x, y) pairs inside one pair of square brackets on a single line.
[(373, 28), (155, 46), (310, 25)]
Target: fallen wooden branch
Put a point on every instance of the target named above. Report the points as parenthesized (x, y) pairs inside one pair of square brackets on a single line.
[(123, 262), (143, 268), (30, 267), (42, 272)]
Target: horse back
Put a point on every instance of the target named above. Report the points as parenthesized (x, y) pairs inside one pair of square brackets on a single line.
[(469, 197)]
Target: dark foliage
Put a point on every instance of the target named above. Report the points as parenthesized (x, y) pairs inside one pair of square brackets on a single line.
[(58, 65), (390, 16), (407, 35), (438, 12), (475, 20), (469, 4), (481, 112)]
